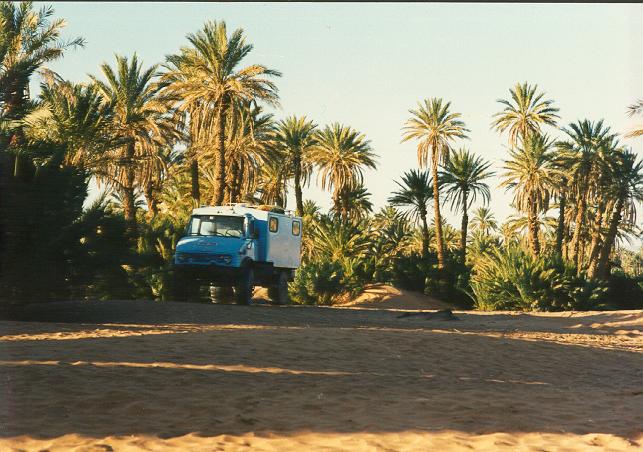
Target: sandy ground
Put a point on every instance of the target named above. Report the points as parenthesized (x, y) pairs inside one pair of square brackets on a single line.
[(154, 376)]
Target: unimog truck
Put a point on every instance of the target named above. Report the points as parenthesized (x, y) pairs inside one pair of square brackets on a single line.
[(238, 246)]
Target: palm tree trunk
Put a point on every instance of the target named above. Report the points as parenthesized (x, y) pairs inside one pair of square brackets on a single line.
[(578, 226), (298, 196), (345, 205), (234, 184), (610, 238), (438, 217), (337, 202), (127, 191), (560, 229), (151, 201), (239, 181), (220, 161), (194, 173), (463, 230), (534, 242), (597, 236), (425, 234)]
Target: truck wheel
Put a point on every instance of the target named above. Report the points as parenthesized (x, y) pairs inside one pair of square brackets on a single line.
[(243, 290), (279, 292), (220, 294)]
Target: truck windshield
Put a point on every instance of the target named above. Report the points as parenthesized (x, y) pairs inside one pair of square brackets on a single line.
[(218, 225)]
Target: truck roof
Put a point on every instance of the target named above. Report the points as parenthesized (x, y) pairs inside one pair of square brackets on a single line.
[(259, 212)]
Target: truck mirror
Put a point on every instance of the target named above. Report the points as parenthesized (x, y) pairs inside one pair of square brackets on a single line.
[(254, 232)]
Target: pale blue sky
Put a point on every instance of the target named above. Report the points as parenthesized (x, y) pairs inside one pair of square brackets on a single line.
[(366, 64)]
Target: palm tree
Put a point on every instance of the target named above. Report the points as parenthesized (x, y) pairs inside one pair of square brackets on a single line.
[(484, 221), (520, 223), (272, 182), (206, 83), (462, 178), (390, 237), (311, 209), (75, 120), (340, 155), (338, 240), (628, 191), (139, 119), (415, 192), (526, 114), (158, 170), (354, 203), (296, 137), (580, 156), (529, 174), (561, 191), (635, 109), (249, 143), (435, 127), (29, 40)]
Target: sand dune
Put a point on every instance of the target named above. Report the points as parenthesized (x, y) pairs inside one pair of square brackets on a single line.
[(154, 376)]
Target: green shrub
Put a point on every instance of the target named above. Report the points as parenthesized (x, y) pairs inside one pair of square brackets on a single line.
[(325, 282), (623, 292), (511, 278)]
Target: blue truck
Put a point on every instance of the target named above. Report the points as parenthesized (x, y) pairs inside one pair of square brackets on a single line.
[(239, 246)]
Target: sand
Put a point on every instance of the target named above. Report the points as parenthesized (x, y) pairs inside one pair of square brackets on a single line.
[(126, 375)]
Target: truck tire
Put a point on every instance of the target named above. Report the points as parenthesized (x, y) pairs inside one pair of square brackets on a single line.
[(279, 292), (243, 290), (221, 294)]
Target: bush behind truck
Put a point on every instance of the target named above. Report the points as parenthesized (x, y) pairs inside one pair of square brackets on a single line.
[(238, 246)]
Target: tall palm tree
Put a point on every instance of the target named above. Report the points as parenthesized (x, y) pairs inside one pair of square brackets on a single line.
[(525, 113), (75, 119), (296, 137), (158, 171), (628, 190), (463, 178), (520, 223), (29, 40), (635, 109), (249, 143), (435, 127), (484, 221), (139, 119), (580, 154), (529, 175), (561, 191), (340, 155), (206, 82), (415, 192)]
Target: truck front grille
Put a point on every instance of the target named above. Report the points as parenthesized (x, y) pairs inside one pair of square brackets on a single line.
[(204, 257)]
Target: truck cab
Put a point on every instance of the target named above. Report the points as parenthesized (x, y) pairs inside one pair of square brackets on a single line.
[(239, 246)]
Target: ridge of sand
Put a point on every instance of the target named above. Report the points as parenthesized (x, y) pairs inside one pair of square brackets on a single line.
[(143, 375), (384, 296)]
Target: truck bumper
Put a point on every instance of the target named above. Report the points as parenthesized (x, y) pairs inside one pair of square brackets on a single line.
[(214, 274)]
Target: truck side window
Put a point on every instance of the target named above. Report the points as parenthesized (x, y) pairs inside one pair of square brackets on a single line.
[(273, 224), (296, 228)]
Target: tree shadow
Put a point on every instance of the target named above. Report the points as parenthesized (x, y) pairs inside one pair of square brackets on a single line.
[(160, 313)]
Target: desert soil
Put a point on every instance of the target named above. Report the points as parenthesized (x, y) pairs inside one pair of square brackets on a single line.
[(143, 375)]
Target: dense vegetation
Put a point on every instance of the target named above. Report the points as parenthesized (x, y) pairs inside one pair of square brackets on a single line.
[(197, 129)]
